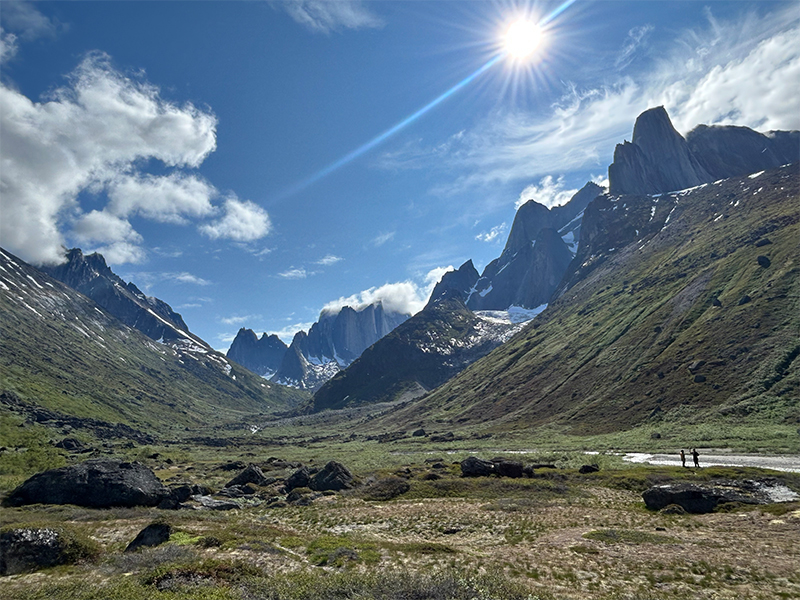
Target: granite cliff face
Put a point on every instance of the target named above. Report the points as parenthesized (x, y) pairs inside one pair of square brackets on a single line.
[(659, 159), (91, 276), (333, 342), (262, 356), (537, 252)]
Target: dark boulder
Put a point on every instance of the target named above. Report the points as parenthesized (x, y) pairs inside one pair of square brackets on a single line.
[(473, 466), (744, 300), (25, 549), (419, 433), (763, 261), (507, 468), (95, 483), (252, 474), (71, 444), (588, 469), (333, 476), (154, 534), (238, 491), (704, 498), (299, 478)]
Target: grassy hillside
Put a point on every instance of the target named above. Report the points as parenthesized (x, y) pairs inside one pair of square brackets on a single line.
[(60, 352), (671, 320)]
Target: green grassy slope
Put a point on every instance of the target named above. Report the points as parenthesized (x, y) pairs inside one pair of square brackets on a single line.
[(637, 339), (61, 352)]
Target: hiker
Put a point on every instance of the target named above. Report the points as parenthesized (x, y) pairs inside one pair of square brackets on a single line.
[(696, 458), (683, 459)]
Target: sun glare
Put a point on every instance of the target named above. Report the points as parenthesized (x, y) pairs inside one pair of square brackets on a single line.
[(521, 39)]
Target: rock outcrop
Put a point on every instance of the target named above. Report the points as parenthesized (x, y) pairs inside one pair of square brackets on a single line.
[(263, 356), (659, 159), (334, 476), (704, 498), (25, 549), (99, 483)]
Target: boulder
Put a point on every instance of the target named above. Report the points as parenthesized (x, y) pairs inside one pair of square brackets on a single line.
[(333, 476), (419, 433), (473, 466), (154, 534), (71, 444), (238, 491), (763, 261), (299, 478), (25, 549), (704, 498), (99, 483), (588, 469), (252, 474), (214, 504), (507, 468)]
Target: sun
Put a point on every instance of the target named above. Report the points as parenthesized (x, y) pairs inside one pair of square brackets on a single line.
[(521, 39)]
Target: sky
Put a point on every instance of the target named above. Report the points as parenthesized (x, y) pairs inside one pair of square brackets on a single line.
[(255, 162)]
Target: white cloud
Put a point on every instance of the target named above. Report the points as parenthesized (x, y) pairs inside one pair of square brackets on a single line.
[(24, 19), (407, 297), (288, 332), (326, 16), (329, 260), (244, 221), (294, 273), (383, 238), (8, 45), (185, 277), (494, 233), (88, 135), (239, 320), (549, 192), (168, 199), (636, 37)]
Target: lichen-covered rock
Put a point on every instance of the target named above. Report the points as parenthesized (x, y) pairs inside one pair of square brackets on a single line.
[(95, 483), (24, 549), (334, 476)]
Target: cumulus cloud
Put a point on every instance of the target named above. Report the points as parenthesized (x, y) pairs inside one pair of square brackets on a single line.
[(329, 260), (493, 234), (326, 16), (548, 191), (743, 72), (407, 297), (244, 221), (93, 135)]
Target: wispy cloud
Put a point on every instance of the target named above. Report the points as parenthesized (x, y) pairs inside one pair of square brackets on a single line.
[(329, 260), (383, 238), (716, 74), (636, 37), (186, 278), (326, 16), (239, 319), (25, 20), (294, 273), (494, 233)]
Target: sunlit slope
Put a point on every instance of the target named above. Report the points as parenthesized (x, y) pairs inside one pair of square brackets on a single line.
[(60, 351), (636, 335)]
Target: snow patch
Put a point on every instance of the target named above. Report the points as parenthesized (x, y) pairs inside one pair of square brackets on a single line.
[(754, 175)]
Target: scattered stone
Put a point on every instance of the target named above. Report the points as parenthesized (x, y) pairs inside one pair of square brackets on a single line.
[(25, 549), (763, 261), (419, 433), (473, 466), (763, 242), (431, 477), (237, 491), (588, 469), (446, 437), (301, 497), (716, 302), (299, 478), (695, 365), (744, 300), (333, 476), (703, 498), (429, 461), (214, 504), (71, 444), (252, 474), (451, 530), (100, 483), (699, 378), (232, 466), (154, 534), (655, 435)]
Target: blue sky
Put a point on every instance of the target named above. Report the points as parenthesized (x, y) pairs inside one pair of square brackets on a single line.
[(199, 145)]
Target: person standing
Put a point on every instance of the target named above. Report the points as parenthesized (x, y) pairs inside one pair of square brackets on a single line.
[(696, 458), (683, 459)]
